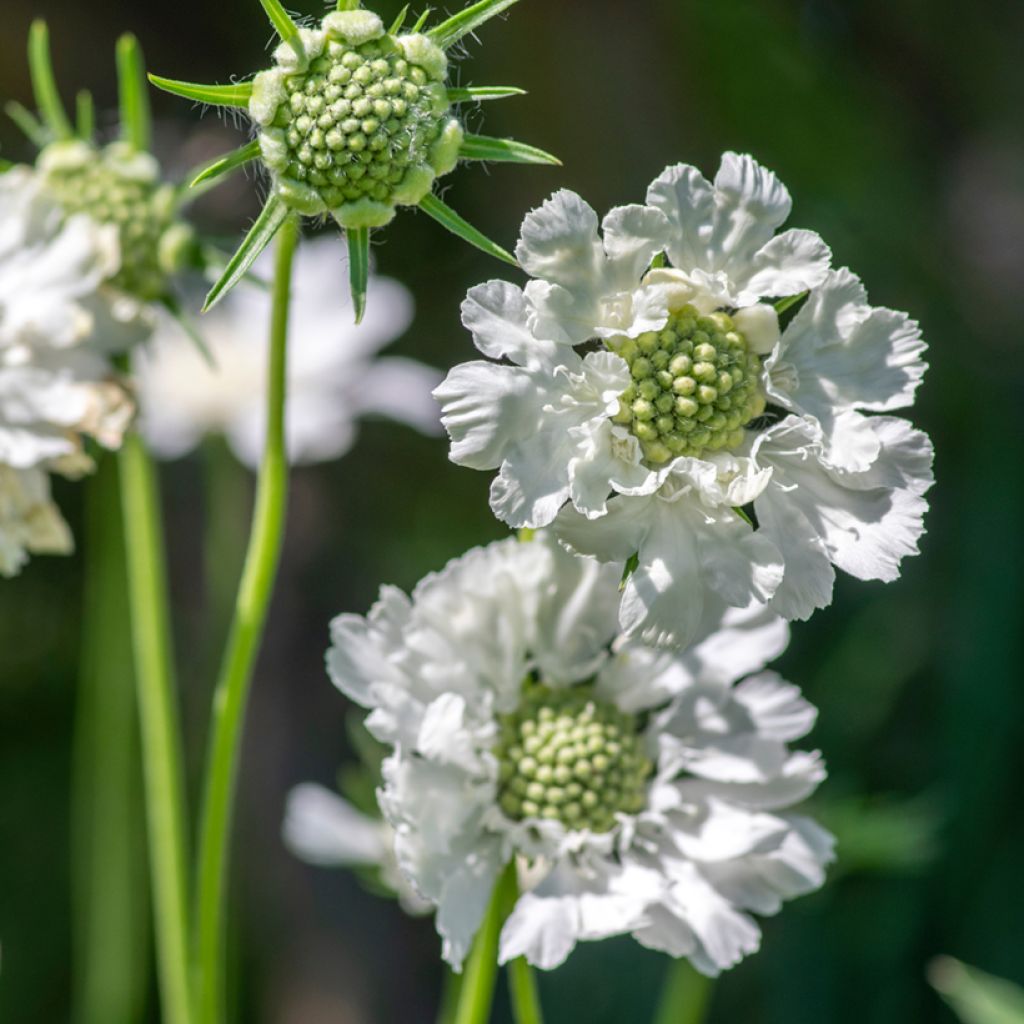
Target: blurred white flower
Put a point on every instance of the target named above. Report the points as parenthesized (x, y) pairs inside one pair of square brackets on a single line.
[(693, 405), (30, 523), (333, 375), (324, 829), (647, 791)]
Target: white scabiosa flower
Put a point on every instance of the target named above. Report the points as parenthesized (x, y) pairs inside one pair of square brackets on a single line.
[(333, 375), (639, 791), (30, 523), (324, 829), (672, 434)]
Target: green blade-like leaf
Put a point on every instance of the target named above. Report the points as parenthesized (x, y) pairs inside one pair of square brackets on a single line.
[(483, 147), (976, 997), (282, 22), (235, 95), (477, 93), (448, 218), (226, 163), (467, 20), (136, 121), (212, 261), (44, 85), (85, 115), (273, 215), (358, 267), (422, 20), (33, 129), (396, 25), (174, 307)]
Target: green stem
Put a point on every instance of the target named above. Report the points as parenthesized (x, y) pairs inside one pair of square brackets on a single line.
[(158, 718), (231, 696), (451, 986), (477, 992), (522, 987), (111, 953), (685, 997)]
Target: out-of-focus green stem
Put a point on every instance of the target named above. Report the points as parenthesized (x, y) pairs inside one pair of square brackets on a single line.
[(450, 988), (111, 951), (522, 986), (159, 723), (685, 997), (231, 696)]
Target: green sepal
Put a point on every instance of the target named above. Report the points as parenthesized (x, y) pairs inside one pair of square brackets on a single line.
[(85, 115), (448, 218), (467, 20), (422, 20), (235, 95), (174, 307), (477, 93), (260, 235), (396, 25), (483, 147), (282, 22), (44, 85), (789, 301), (628, 569), (30, 125), (227, 163), (358, 267), (136, 122)]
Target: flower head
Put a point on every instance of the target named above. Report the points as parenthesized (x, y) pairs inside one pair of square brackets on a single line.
[(333, 375), (723, 452), (639, 791), (354, 120)]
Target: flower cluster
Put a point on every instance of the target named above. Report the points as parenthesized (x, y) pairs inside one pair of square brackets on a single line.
[(718, 447), (638, 791)]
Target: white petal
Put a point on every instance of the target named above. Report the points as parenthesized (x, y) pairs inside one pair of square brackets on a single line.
[(322, 828), (725, 832), (496, 313), (464, 900), (790, 263), (687, 200), (542, 930), (760, 326), (633, 235), (777, 707)]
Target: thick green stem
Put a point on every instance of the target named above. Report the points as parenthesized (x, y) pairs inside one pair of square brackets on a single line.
[(477, 992), (111, 951), (522, 986), (231, 696), (685, 997), (159, 724)]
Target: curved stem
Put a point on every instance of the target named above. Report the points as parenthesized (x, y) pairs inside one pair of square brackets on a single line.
[(231, 696), (159, 724), (685, 997), (522, 987)]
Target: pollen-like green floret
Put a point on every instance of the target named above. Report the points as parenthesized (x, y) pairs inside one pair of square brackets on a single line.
[(566, 756), (695, 386)]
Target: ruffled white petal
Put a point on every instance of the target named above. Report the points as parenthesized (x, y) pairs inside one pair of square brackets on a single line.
[(30, 522), (322, 828)]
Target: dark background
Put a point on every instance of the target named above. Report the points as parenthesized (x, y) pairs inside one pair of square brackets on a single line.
[(897, 127)]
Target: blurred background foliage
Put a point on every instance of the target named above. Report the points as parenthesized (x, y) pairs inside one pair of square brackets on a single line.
[(897, 127)]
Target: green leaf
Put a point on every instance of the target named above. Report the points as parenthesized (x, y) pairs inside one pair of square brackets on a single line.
[(44, 85), (30, 125), (790, 300), (85, 115), (136, 121), (483, 147), (235, 95), (283, 24), (483, 92), (396, 25), (467, 20), (448, 218), (228, 162), (358, 267), (174, 307), (628, 569), (422, 20), (273, 215), (976, 997), (212, 261)]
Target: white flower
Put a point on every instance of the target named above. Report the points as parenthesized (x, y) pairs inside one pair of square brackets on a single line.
[(333, 377), (652, 441), (638, 790), (30, 523), (322, 828)]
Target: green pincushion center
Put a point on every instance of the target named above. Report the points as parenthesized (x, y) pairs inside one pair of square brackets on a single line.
[(695, 385), (566, 756), (136, 208), (356, 121)]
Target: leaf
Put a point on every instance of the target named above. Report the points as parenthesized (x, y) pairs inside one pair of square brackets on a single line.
[(273, 215), (85, 115), (790, 300), (478, 93), (976, 997), (396, 25), (30, 125), (235, 95), (448, 218), (422, 20), (483, 147), (44, 85), (174, 307), (228, 162), (347, 5), (358, 267), (283, 24), (467, 20), (131, 89)]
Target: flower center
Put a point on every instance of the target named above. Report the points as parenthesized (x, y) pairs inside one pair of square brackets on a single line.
[(695, 385), (568, 757), (358, 120)]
